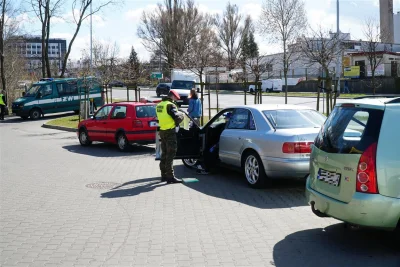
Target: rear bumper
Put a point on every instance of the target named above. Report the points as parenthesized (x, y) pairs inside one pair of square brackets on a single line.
[(286, 168), (370, 210)]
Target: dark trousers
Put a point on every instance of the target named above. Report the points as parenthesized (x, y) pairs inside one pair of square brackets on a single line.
[(168, 152), (3, 110)]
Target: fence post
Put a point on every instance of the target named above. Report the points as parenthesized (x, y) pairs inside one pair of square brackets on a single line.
[(111, 99), (209, 103), (127, 92)]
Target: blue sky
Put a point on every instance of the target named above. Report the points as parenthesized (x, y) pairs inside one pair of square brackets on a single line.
[(119, 23)]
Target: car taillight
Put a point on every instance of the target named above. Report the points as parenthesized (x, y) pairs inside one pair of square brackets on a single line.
[(137, 124), (366, 171), (296, 147)]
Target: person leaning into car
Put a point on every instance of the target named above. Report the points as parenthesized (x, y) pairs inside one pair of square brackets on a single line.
[(168, 119)]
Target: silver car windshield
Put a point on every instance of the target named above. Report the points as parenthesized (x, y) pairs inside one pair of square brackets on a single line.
[(290, 118)]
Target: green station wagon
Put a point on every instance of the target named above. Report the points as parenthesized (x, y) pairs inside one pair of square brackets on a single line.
[(355, 164), (57, 95)]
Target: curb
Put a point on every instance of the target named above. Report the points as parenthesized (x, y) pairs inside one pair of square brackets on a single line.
[(60, 128)]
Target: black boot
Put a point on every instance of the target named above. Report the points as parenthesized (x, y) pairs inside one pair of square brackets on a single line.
[(174, 180)]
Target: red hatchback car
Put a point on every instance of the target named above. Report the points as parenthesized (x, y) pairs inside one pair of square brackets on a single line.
[(122, 123)]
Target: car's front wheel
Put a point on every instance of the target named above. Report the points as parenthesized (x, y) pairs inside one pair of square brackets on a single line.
[(84, 138), (190, 163), (253, 169), (35, 114), (123, 143)]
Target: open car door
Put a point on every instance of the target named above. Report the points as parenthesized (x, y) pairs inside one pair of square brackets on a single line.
[(189, 140)]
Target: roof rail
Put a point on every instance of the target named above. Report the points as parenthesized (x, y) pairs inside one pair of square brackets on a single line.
[(376, 96)]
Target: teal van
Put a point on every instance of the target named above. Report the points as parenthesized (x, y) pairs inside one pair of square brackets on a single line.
[(56, 95)]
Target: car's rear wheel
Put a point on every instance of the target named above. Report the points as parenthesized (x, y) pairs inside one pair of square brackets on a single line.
[(35, 113), (84, 138), (122, 142), (190, 163), (253, 169)]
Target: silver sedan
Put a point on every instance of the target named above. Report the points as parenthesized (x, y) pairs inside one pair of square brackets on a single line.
[(262, 141)]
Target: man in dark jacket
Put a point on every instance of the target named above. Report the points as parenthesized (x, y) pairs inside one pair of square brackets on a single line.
[(168, 118)]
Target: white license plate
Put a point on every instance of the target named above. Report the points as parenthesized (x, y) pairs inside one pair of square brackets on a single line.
[(153, 124), (328, 177)]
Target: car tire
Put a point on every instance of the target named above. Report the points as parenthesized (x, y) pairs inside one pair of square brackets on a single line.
[(84, 138), (35, 114), (123, 143), (158, 94), (253, 170), (190, 163)]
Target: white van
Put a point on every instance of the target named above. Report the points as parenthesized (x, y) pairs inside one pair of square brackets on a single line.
[(270, 85)]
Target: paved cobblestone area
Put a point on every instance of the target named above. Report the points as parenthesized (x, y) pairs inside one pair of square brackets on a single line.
[(50, 217)]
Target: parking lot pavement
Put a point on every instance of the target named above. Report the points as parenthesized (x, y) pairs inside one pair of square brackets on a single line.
[(65, 205)]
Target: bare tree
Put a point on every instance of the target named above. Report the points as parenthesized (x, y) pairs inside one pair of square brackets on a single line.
[(200, 56), (231, 30), (84, 11), (12, 65), (45, 10), (320, 48), (170, 29), (372, 49), (283, 20)]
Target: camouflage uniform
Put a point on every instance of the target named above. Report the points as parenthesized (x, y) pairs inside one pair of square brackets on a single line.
[(168, 148)]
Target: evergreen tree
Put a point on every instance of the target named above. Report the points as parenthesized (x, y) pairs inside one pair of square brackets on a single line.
[(252, 51), (134, 64)]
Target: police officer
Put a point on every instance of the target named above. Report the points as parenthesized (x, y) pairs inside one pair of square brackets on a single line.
[(2, 105), (168, 118)]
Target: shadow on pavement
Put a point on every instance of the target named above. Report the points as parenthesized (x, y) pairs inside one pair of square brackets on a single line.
[(18, 120), (338, 246), (110, 150), (134, 188), (230, 185)]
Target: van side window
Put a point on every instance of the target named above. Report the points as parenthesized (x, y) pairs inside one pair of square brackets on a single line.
[(62, 89), (72, 88), (46, 90)]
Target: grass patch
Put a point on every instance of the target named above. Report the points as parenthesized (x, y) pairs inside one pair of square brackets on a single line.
[(70, 122)]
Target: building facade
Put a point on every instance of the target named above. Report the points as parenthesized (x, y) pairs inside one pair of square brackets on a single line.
[(396, 21), (31, 49)]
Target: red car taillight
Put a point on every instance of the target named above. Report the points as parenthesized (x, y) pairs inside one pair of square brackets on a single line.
[(366, 171), (137, 124), (296, 147)]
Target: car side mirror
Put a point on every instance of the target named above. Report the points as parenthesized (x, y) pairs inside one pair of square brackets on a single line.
[(23, 94), (39, 95)]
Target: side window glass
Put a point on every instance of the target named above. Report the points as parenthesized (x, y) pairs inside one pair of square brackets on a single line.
[(119, 112), (252, 124), (239, 120), (46, 90), (103, 113), (72, 88), (62, 89)]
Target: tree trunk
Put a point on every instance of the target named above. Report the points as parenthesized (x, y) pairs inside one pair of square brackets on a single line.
[(64, 64), (328, 88), (373, 82), (3, 76), (48, 67), (318, 95)]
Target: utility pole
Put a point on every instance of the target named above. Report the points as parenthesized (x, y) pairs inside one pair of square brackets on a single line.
[(91, 38), (339, 43)]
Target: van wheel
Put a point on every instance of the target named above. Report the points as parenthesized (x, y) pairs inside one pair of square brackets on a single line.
[(35, 114), (123, 143), (253, 169), (84, 138)]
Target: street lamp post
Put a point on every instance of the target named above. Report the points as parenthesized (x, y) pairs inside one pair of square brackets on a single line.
[(338, 61)]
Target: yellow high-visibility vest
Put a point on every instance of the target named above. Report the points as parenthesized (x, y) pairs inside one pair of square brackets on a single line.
[(1, 100), (165, 121)]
